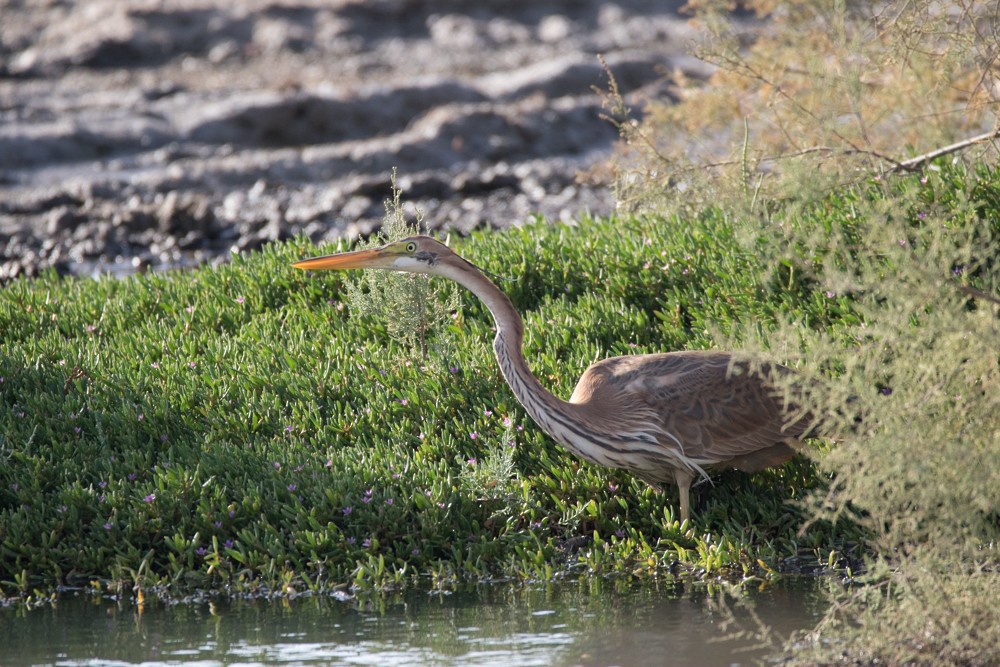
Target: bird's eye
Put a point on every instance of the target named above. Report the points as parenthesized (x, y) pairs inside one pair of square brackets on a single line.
[(411, 247)]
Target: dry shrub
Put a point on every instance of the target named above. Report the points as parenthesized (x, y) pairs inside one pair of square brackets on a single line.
[(919, 467), (817, 117), (834, 89)]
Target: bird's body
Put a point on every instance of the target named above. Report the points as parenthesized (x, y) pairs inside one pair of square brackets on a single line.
[(663, 417)]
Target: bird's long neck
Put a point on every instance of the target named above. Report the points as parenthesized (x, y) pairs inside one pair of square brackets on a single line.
[(542, 406), (563, 420)]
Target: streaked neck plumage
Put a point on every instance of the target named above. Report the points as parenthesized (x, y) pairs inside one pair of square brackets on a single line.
[(555, 416)]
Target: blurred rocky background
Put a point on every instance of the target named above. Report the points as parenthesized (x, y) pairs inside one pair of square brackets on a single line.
[(154, 134)]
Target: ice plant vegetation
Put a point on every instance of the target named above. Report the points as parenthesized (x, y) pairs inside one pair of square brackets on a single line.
[(286, 357)]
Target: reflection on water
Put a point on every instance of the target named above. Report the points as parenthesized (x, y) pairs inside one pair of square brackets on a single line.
[(594, 622)]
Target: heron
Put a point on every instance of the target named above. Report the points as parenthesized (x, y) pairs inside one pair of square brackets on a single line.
[(665, 417)]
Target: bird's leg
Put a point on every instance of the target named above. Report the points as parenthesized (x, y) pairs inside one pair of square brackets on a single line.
[(683, 479)]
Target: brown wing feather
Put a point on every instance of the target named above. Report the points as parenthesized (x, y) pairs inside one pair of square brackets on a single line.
[(710, 402)]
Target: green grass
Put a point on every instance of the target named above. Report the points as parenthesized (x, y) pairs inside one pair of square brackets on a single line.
[(236, 428)]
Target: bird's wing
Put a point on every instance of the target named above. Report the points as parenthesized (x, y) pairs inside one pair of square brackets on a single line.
[(706, 404)]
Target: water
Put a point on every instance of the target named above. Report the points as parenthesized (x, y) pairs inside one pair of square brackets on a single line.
[(583, 623)]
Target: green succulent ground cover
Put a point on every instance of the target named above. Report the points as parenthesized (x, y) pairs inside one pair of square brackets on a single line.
[(237, 429)]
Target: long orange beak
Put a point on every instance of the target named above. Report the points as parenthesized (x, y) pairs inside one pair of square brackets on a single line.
[(359, 259)]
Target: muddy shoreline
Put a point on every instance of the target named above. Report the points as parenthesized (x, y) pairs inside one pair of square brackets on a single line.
[(145, 134)]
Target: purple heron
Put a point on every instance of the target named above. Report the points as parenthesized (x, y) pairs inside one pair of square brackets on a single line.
[(662, 417)]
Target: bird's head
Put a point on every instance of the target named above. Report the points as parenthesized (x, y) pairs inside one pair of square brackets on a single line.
[(415, 254)]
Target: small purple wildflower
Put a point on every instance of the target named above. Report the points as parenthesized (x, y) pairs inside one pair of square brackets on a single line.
[(200, 551), (150, 498), (473, 435), (131, 476), (292, 486), (228, 544), (367, 498), (240, 299), (472, 461), (351, 540), (367, 543), (389, 501), (217, 524), (107, 525), (347, 510)]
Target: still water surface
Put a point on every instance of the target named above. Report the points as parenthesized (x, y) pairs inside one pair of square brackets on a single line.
[(580, 623)]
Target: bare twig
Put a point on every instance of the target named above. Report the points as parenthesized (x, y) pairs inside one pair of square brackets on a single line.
[(912, 164), (979, 294), (917, 163), (793, 154)]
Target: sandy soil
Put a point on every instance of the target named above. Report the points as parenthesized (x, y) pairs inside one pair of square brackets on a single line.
[(146, 133)]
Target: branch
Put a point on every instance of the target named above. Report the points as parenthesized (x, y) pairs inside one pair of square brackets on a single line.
[(917, 163), (979, 294), (794, 154), (913, 164)]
